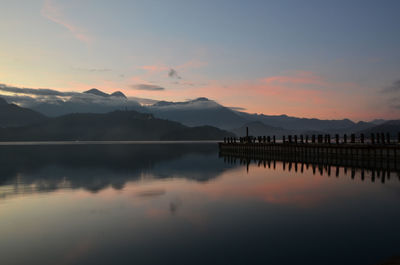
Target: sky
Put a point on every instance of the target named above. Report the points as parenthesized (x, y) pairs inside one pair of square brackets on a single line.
[(323, 59)]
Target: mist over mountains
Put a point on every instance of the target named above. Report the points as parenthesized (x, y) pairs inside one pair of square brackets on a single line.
[(192, 113)]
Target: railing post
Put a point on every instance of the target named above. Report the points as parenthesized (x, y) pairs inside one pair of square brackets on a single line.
[(388, 138), (362, 138), (345, 138), (337, 138), (353, 138), (372, 138)]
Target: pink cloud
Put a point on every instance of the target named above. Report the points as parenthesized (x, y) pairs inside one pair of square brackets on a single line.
[(54, 13), (299, 78), (154, 68), (191, 64)]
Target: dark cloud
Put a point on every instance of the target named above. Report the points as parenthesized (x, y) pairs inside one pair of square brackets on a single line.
[(147, 87), (237, 108), (394, 102), (173, 74), (35, 91), (395, 87)]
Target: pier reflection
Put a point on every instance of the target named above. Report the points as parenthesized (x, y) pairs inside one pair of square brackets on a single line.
[(377, 172)]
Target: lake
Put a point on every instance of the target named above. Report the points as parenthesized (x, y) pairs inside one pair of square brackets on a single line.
[(182, 203)]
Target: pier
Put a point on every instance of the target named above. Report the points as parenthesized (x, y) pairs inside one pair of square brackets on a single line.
[(375, 151)]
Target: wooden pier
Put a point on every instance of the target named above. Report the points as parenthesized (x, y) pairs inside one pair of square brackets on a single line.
[(378, 151)]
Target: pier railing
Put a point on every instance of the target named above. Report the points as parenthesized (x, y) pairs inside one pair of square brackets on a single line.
[(374, 138), (378, 148)]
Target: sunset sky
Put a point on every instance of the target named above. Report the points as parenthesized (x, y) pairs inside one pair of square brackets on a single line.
[(323, 59)]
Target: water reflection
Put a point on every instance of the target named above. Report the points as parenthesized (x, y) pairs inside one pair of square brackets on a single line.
[(28, 169), (180, 204), (381, 172)]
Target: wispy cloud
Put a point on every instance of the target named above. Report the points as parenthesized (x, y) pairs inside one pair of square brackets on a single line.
[(154, 68), (34, 91), (53, 12), (299, 78), (395, 87), (237, 108), (147, 87), (91, 69)]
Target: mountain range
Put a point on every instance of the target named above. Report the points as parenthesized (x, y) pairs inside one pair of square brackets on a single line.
[(113, 126), (199, 112)]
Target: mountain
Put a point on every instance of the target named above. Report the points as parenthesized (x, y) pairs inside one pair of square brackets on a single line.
[(118, 94), (75, 105), (359, 126), (392, 127), (91, 101), (299, 124), (13, 115), (117, 125), (378, 121), (99, 93), (197, 133), (198, 112), (257, 128), (96, 92)]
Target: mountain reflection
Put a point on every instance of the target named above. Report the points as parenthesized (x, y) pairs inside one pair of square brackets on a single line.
[(30, 169)]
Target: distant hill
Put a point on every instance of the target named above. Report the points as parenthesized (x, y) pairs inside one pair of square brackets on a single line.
[(257, 128), (99, 93), (392, 127), (299, 124), (197, 133), (359, 126), (117, 125), (378, 121), (12, 115), (198, 112)]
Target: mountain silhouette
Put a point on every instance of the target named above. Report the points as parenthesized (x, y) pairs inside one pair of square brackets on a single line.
[(95, 91), (12, 115), (257, 128), (198, 112), (392, 127), (113, 126)]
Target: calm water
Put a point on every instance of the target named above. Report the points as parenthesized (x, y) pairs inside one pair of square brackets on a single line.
[(183, 204)]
